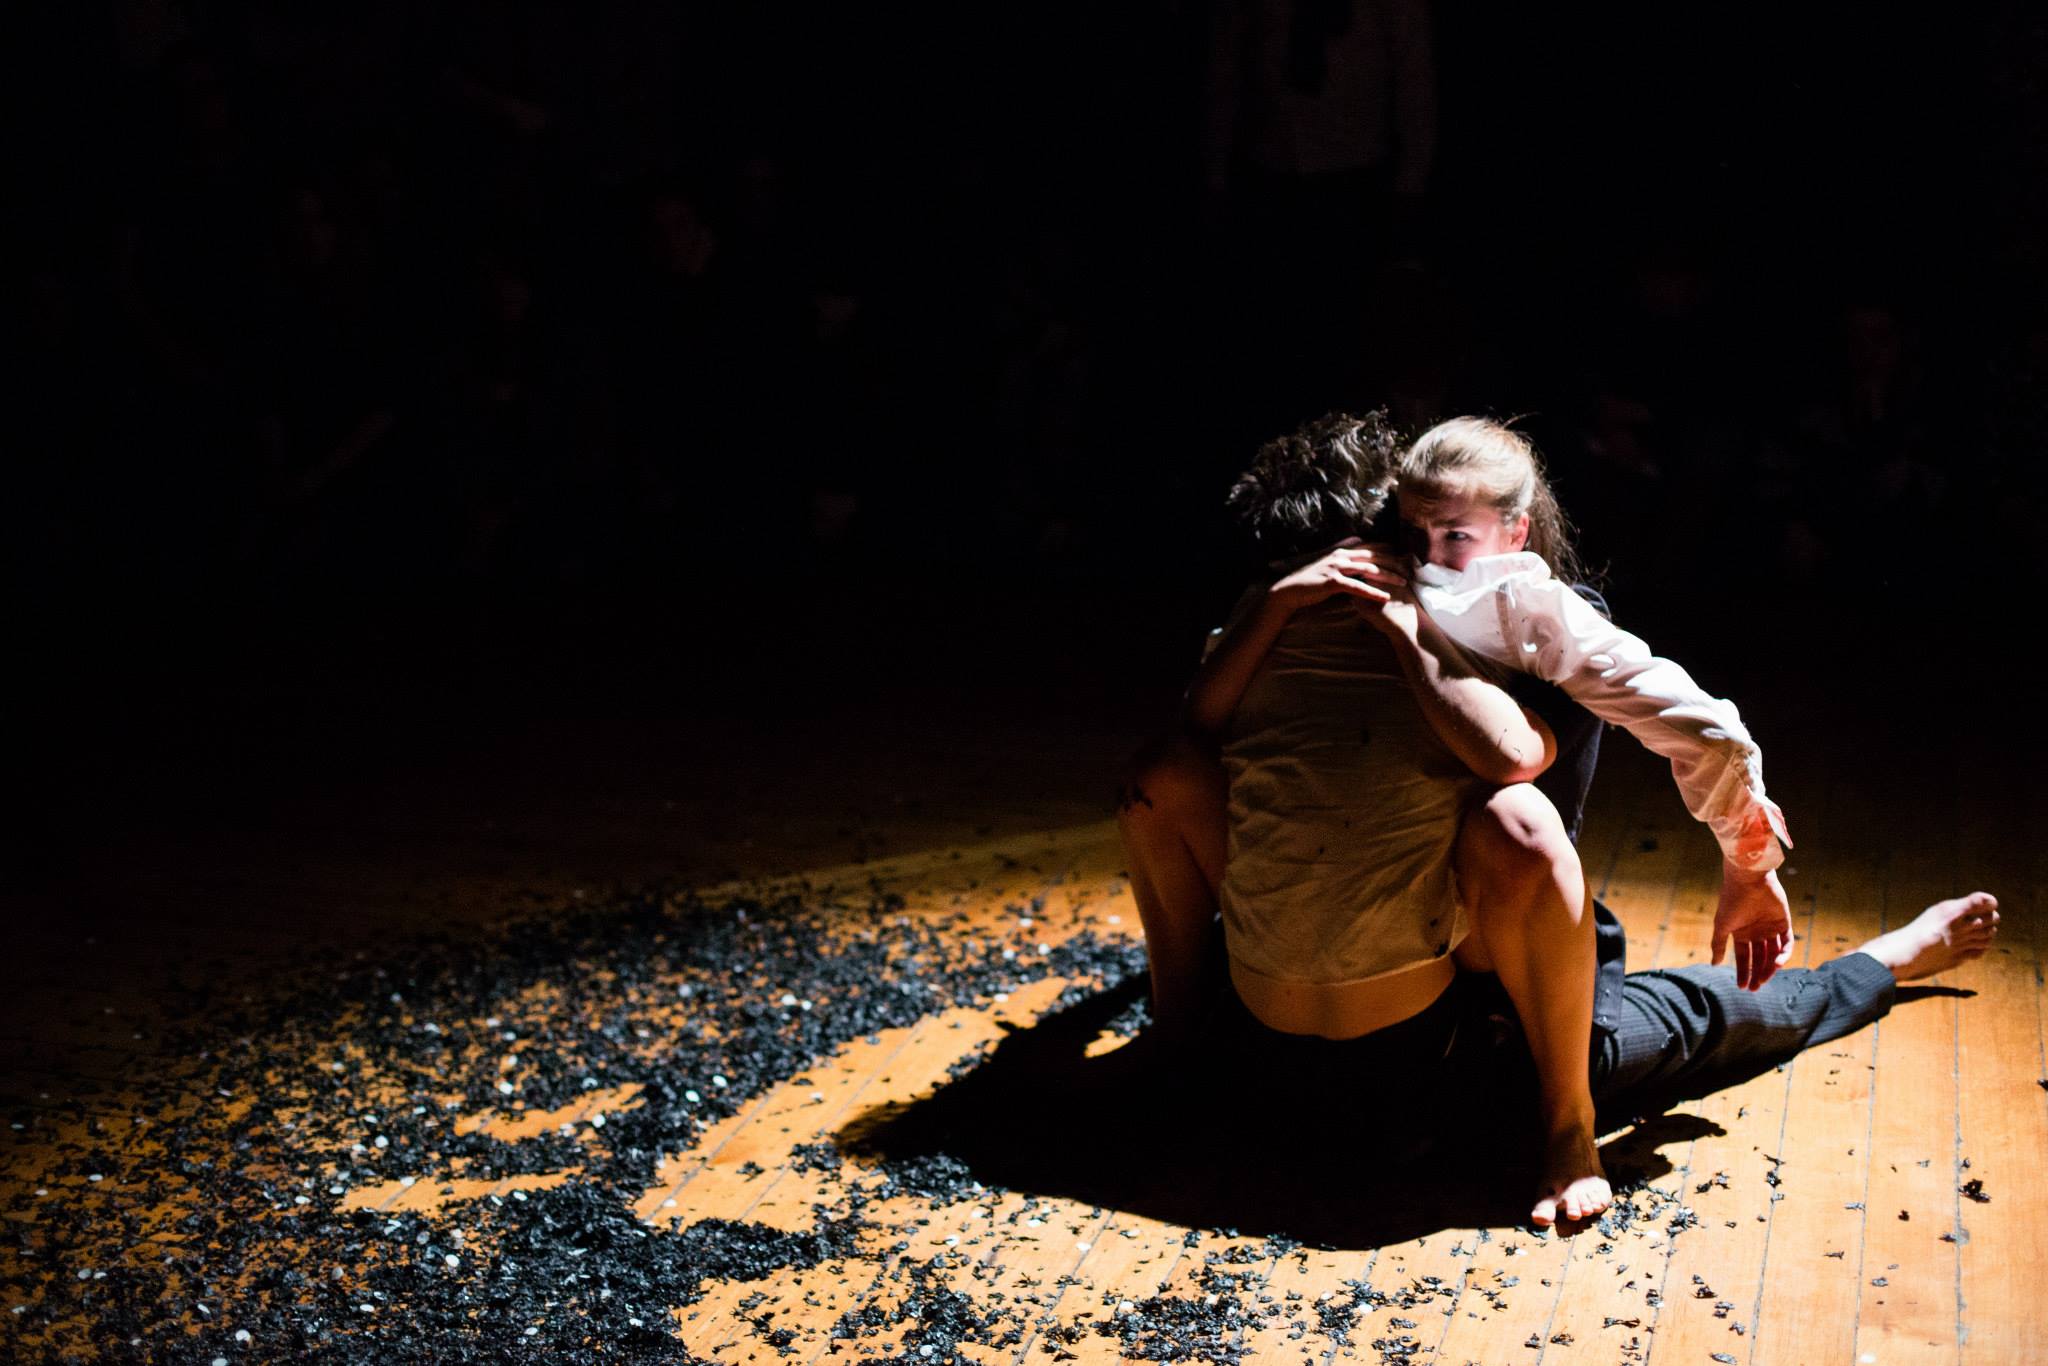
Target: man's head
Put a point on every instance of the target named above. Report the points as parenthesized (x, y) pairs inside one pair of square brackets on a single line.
[(1317, 485)]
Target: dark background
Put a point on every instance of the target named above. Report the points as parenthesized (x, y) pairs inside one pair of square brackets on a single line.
[(389, 375)]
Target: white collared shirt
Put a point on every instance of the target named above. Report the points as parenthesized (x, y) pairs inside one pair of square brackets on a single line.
[(1510, 609)]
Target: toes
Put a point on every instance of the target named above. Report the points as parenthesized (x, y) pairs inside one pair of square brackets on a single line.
[(1545, 1213)]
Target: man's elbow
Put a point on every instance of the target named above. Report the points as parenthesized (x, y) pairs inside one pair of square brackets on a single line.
[(1507, 764), (1509, 770), (1521, 756)]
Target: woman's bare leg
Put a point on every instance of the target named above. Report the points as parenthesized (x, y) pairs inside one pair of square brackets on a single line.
[(1533, 924), (1171, 813)]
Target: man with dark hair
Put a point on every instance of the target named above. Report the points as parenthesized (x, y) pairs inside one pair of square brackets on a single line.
[(1361, 760)]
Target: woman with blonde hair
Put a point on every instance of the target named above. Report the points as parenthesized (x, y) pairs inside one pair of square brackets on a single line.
[(1378, 822)]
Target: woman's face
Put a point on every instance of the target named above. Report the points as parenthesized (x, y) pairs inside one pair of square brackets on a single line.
[(1456, 529)]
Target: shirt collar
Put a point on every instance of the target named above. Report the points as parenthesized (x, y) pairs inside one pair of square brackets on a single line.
[(1483, 572)]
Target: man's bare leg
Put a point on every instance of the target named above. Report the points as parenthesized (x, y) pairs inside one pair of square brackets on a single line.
[(1940, 937), (1172, 816), (1532, 916)]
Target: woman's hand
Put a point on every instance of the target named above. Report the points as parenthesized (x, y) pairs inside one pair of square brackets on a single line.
[(1756, 917), (1368, 574)]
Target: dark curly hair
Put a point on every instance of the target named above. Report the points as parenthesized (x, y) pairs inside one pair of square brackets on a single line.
[(1317, 485)]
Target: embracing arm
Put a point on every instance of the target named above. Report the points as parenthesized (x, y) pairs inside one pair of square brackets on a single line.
[(1492, 734), (1227, 669)]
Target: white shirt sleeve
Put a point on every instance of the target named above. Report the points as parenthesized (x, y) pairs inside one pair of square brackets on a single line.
[(1540, 626)]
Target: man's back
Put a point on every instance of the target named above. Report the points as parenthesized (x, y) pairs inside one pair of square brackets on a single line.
[(1344, 806)]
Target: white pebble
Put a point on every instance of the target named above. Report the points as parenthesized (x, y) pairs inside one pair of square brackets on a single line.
[(451, 1261), (927, 1350), (1044, 948), (720, 1082), (85, 1274), (692, 1097), (1084, 1245), (788, 998), (95, 1177), (381, 1141), (952, 1239), (1116, 920), (506, 1088), (531, 1331), (302, 1199), (407, 1182), (1009, 953), (337, 1190), (220, 1361), (337, 1067), (597, 1121)]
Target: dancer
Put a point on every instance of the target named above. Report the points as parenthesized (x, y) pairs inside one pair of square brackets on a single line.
[(1352, 756)]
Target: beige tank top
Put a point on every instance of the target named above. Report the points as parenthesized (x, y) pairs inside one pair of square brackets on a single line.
[(1344, 807)]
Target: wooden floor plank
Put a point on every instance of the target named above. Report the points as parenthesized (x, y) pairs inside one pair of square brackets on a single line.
[(1290, 1328), (1603, 1306), (1810, 1293), (1722, 1174), (1135, 1260), (2003, 1124), (1907, 1274), (1641, 877)]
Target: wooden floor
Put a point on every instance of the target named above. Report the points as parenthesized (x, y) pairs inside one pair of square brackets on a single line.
[(1828, 1220)]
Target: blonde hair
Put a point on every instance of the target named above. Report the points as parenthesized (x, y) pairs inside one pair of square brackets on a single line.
[(1479, 458)]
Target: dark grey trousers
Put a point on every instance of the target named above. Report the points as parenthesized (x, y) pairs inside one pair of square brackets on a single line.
[(1692, 1029), (1658, 1037)]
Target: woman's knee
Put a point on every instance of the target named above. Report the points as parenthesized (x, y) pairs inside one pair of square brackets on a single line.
[(1516, 835), (1170, 778)]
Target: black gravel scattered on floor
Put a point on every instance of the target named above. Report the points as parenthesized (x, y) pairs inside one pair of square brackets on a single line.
[(208, 1224)]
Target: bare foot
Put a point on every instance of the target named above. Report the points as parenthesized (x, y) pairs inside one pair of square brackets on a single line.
[(1943, 935), (1573, 1184)]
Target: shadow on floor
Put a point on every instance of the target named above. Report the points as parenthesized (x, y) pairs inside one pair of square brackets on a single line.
[(1205, 1148)]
